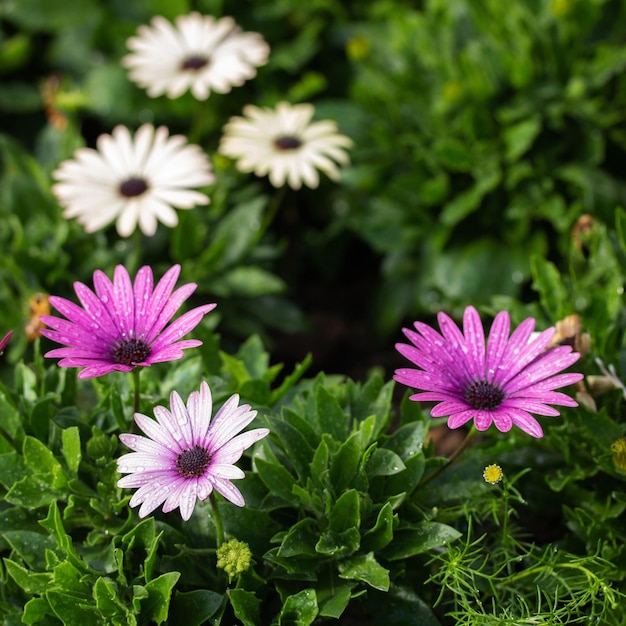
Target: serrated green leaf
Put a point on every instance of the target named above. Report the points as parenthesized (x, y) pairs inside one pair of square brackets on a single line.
[(109, 603), (246, 606), (300, 539), (346, 512), (10, 417), (299, 609), (547, 282), (70, 439), (519, 137), (33, 492), (345, 463), (12, 469), (31, 546), (74, 609), (381, 533), (295, 446), (156, 606), (36, 610), (277, 479), (422, 538), (329, 415), (30, 582), (194, 608), (383, 462), (365, 568)]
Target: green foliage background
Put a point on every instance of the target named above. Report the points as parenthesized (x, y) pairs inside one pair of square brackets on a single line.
[(484, 131)]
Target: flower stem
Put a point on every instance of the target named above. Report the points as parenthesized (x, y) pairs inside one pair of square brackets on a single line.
[(464, 444), (217, 520), (137, 394)]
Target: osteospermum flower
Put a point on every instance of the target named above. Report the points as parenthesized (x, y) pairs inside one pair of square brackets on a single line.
[(5, 340), (502, 382), (198, 53), (186, 454), (123, 325), (133, 180), (285, 143)]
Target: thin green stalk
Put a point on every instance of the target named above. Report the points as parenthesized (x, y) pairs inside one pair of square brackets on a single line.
[(217, 520), (464, 444), (136, 395)]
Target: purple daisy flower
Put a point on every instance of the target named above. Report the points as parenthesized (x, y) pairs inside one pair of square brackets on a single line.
[(4, 341), (186, 454), (123, 325), (502, 382)]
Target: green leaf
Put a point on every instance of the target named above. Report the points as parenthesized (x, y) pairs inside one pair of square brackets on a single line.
[(519, 137), (70, 439), (299, 609), (10, 417), (238, 230), (246, 606), (300, 539), (36, 610), (381, 533), (400, 606), (247, 282), (547, 282), (330, 416), (366, 569), (346, 513), (12, 469), (424, 537), (408, 440), (333, 597), (40, 457), (319, 464), (346, 463), (73, 609), (30, 582), (453, 155), (108, 601), (31, 546), (383, 462), (277, 479), (33, 492), (157, 605), (297, 449), (52, 16), (194, 608)]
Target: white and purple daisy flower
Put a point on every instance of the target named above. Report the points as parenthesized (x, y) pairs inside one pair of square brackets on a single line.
[(123, 325), (186, 453), (502, 382)]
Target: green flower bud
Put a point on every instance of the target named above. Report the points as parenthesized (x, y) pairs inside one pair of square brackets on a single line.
[(234, 557)]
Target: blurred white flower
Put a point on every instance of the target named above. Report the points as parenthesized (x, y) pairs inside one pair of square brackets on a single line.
[(136, 181), (198, 53), (285, 144)]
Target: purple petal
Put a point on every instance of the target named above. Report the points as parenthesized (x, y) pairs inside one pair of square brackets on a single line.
[(475, 343), (497, 342)]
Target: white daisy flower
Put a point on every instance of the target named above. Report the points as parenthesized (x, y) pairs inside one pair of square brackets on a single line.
[(285, 144), (198, 53), (136, 181)]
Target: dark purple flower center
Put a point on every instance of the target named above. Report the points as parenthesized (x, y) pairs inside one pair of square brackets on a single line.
[(194, 63), (484, 395), (131, 351), (193, 463), (133, 187), (287, 142)]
